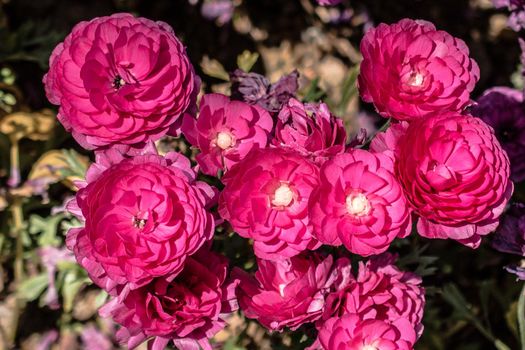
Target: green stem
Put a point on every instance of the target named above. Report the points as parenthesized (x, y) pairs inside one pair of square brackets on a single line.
[(521, 317)]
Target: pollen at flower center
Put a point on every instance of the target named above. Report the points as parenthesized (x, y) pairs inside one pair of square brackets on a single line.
[(224, 140), (357, 204), (139, 223), (416, 79), (118, 82), (283, 196)]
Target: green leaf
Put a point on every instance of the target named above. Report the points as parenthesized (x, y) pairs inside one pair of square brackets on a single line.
[(214, 69), (70, 288), (313, 93), (46, 228), (33, 287), (348, 90), (246, 60)]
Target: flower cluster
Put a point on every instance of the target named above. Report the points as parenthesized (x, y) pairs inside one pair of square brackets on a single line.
[(291, 183)]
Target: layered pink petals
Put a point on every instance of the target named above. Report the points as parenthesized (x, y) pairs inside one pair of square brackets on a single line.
[(310, 129), (351, 332), (455, 175), (226, 131), (359, 203), (266, 199), (411, 70), (381, 292), (142, 216), (120, 80), (286, 293), (188, 310)]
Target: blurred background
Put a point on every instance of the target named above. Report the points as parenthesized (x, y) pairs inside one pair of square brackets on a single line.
[(47, 301)]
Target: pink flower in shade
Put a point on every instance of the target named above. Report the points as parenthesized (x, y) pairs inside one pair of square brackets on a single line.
[(226, 131), (120, 80), (411, 70), (286, 293), (455, 175), (143, 217), (380, 292), (350, 332), (359, 203), (187, 310), (266, 199), (310, 129)]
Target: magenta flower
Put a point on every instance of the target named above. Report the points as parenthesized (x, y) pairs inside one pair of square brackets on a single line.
[(120, 80), (310, 129), (266, 199), (188, 310), (350, 332), (456, 176), (142, 216), (286, 293), (359, 203), (226, 131), (380, 292), (503, 108), (411, 70)]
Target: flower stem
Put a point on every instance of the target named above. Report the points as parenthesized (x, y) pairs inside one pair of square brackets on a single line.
[(521, 317)]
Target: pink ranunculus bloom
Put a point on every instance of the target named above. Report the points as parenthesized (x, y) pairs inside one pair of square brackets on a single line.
[(359, 203), (350, 332), (120, 80), (226, 131), (381, 292), (143, 217), (410, 70), (456, 176), (265, 198), (187, 310), (288, 292), (310, 129)]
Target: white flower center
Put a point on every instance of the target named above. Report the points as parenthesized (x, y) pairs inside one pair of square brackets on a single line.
[(281, 289), (357, 204), (224, 140), (283, 196), (369, 347), (416, 79)]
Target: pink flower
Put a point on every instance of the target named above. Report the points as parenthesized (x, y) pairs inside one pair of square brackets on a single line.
[(350, 332), (226, 131), (456, 176), (120, 80), (188, 310), (411, 70), (359, 203), (142, 217), (266, 199), (310, 129), (286, 293), (380, 292)]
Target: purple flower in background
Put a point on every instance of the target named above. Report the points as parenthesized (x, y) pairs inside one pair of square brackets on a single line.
[(92, 338), (220, 10), (517, 12), (510, 236), (328, 2), (50, 257), (255, 89), (503, 109)]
